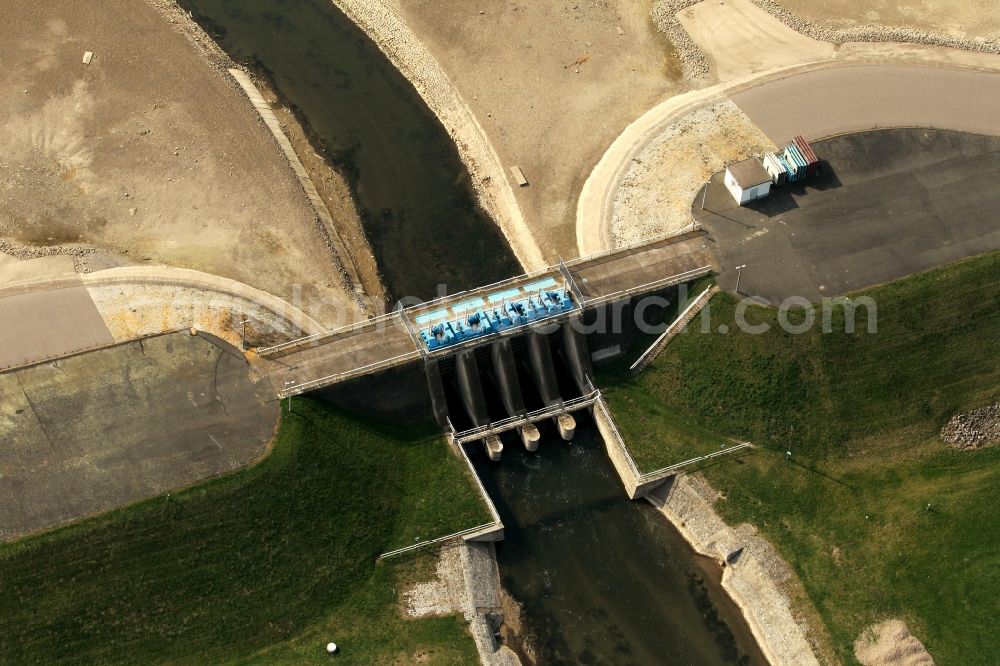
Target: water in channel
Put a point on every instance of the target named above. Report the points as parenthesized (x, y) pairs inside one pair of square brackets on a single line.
[(412, 189), (603, 580)]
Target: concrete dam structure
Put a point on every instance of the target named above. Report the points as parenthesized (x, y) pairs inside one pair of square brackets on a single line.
[(503, 357), (508, 369)]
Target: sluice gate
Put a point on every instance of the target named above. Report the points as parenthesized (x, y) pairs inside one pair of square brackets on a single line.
[(509, 369)]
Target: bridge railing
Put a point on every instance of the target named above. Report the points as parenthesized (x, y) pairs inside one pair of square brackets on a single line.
[(499, 284), (505, 425), (299, 389), (507, 332), (648, 240), (333, 332), (648, 287), (559, 269)]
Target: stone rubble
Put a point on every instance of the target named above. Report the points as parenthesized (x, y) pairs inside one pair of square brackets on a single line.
[(873, 32), (756, 577), (694, 64), (80, 253), (974, 429), (467, 582)]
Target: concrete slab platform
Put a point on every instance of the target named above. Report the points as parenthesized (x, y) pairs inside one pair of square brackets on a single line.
[(107, 428)]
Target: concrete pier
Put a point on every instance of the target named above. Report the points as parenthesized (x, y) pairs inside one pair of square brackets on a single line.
[(576, 355), (567, 426), (494, 447), (530, 436)]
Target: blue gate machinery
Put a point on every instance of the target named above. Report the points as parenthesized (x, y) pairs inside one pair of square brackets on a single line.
[(497, 312)]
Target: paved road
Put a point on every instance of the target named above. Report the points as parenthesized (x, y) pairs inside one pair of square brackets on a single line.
[(816, 100), (824, 102), (894, 202), (324, 360), (39, 325)]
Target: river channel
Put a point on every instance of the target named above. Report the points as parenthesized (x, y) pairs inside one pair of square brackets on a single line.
[(602, 580), (408, 180)]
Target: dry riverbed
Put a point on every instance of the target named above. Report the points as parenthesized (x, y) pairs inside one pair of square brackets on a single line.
[(149, 154)]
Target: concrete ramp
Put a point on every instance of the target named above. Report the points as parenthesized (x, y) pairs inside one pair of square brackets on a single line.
[(42, 325)]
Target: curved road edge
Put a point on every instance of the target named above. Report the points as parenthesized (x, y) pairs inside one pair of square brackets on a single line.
[(594, 206)]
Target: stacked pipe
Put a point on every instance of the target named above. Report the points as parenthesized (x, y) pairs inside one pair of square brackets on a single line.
[(796, 164)]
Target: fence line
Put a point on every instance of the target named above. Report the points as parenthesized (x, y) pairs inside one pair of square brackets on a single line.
[(648, 240), (648, 477), (512, 422), (265, 351), (424, 544), (619, 442), (299, 389), (689, 313), (496, 523), (648, 287), (666, 471), (559, 269)]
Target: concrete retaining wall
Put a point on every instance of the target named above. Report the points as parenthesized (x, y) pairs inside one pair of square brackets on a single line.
[(342, 254)]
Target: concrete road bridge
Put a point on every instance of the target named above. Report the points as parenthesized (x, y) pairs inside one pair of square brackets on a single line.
[(402, 336), (504, 340)]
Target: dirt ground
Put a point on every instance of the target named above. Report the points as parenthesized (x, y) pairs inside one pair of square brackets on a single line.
[(149, 153), (731, 36), (890, 643), (964, 19), (552, 83), (655, 193)]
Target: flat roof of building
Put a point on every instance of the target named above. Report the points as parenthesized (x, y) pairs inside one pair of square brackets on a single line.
[(749, 173)]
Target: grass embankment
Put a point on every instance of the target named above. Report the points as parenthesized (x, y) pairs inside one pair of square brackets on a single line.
[(270, 562), (861, 414)]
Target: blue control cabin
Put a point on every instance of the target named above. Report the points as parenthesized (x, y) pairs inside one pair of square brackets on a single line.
[(498, 317)]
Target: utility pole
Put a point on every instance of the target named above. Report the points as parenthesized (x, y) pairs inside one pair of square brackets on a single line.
[(290, 382), (739, 276), (243, 336), (704, 194)]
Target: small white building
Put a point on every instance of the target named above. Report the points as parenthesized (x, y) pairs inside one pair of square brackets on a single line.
[(748, 181)]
